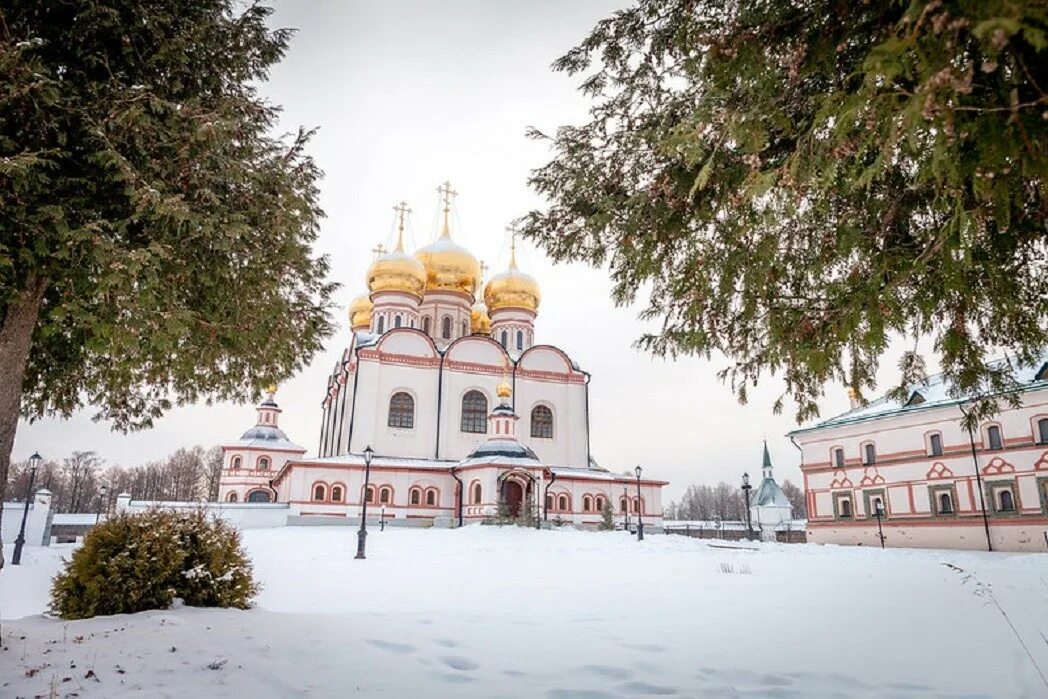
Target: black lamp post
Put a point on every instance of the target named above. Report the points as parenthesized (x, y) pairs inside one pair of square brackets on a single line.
[(382, 520), (34, 463), (878, 512), (626, 495), (101, 502), (640, 508), (362, 535), (746, 489)]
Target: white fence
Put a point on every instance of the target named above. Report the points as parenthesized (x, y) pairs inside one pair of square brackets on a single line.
[(35, 523), (242, 515)]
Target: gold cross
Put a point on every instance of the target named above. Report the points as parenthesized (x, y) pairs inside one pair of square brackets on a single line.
[(483, 268), (379, 250), (513, 230), (402, 210), (446, 193)]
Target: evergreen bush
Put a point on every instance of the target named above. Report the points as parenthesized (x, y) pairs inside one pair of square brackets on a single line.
[(607, 523), (135, 562)]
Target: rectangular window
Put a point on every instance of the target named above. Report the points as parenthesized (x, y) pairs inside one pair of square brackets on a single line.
[(869, 454), (1042, 431), (935, 441), (838, 458), (993, 434)]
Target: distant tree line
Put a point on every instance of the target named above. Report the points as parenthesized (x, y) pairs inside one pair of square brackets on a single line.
[(726, 502), (75, 482)]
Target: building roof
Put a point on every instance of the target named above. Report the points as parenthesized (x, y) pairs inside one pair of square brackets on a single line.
[(502, 447), (265, 437), (935, 393), (768, 493)]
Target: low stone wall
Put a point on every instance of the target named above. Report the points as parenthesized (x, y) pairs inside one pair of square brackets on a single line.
[(36, 523), (243, 515)]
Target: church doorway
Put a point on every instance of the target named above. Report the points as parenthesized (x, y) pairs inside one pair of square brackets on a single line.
[(513, 496)]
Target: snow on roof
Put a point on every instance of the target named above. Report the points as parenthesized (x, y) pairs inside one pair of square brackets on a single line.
[(935, 393), (74, 518), (358, 460), (769, 494), (278, 443)]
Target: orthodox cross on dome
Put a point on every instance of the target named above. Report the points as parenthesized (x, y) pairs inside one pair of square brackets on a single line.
[(379, 250), (402, 211), (483, 268), (513, 231), (446, 195)]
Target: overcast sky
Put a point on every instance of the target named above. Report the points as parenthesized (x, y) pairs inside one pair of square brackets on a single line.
[(406, 95)]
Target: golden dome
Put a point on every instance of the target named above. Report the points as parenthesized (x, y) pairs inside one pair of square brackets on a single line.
[(504, 390), (397, 271), (479, 321), (512, 289), (449, 266), (360, 312)]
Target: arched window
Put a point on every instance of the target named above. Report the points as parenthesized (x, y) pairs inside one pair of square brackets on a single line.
[(845, 508), (475, 496), (385, 495), (370, 497), (520, 339), (636, 505), (319, 492), (258, 496), (587, 503), (336, 493), (445, 328), (869, 453), (838, 457), (563, 504), (1042, 430), (935, 443), (263, 463), (425, 325), (505, 339), (415, 496), (381, 324), (542, 422), (622, 504), (465, 328), (236, 462), (993, 435), (599, 503), (431, 496), (401, 411), (945, 504), (474, 412), (549, 502), (232, 497), (1006, 500), (396, 321)]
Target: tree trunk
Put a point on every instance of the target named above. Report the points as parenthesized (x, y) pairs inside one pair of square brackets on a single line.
[(16, 334)]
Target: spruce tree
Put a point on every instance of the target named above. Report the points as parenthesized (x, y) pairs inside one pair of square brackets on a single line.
[(526, 516), (799, 182), (607, 521), (156, 237)]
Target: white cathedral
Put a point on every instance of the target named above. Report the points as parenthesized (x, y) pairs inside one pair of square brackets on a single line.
[(435, 381)]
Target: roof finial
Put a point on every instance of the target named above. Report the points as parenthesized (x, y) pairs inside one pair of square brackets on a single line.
[(504, 389), (446, 194), (513, 231), (766, 465), (402, 210), (379, 250)]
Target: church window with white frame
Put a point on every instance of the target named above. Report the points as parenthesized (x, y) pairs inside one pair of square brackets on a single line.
[(474, 413), (401, 411)]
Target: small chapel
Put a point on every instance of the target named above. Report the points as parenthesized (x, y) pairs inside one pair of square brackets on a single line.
[(444, 390)]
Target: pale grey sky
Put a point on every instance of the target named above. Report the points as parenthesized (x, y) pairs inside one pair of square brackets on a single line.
[(406, 95)]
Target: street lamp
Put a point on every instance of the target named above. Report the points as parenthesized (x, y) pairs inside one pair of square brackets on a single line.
[(640, 508), (382, 520), (101, 501), (746, 489), (362, 535), (626, 500), (34, 463), (878, 512)]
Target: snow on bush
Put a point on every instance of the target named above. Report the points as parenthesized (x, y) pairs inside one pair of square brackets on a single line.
[(134, 562)]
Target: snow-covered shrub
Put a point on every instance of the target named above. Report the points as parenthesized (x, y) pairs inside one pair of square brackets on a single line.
[(134, 562), (607, 521), (728, 568)]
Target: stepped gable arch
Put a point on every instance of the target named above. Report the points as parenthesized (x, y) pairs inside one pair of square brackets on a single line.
[(475, 351), (407, 344)]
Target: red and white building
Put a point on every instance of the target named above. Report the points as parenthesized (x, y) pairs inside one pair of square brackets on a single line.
[(439, 371), (939, 486)]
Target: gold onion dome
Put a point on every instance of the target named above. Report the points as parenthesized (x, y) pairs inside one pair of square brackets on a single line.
[(449, 266), (504, 390), (360, 312), (479, 322), (512, 288), (397, 270)]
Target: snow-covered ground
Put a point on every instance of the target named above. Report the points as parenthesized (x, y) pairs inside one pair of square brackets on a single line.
[(489, 612)]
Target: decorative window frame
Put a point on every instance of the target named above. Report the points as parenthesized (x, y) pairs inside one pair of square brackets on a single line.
[(436, 497), (862, 452), (421, 496), (598, 503), (552, 418), (867, 496), (587, 503), (259, 489), (1035, 431), (833, 456), (984, 433), (992, 487), (843, 495), (264, 457), (461, 409), (1042, 492), (473, 486), (236, 462), (934, 491), (313, 491), (928, 451), (331, 493), (232, 496), (414, 408), (392, 494)]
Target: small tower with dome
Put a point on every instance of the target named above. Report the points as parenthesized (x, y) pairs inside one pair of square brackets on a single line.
[(396, 281), (770, 507), (512, 299)]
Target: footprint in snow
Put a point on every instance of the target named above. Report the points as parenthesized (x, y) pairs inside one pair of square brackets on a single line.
[(399, 648), (456, 662), (615, 673)]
